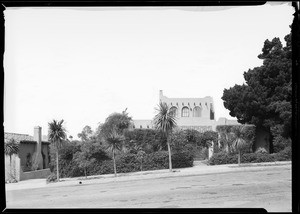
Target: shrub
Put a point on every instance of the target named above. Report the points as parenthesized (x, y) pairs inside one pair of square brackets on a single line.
[(284, 155), (69, 169), (256, 158), (280, 143), (51, 178), (105, 167), (223, 158), (182, 160), (127, 163), (156, 160)]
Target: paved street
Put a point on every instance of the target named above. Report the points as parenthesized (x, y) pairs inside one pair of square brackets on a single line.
[(269, 188)]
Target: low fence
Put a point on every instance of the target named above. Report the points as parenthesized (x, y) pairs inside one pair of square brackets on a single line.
[(43, 173)]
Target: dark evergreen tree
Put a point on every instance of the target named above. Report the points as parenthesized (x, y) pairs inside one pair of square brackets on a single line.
[(265, 99)]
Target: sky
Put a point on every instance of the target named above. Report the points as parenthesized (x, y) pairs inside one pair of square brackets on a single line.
[(82, 64)]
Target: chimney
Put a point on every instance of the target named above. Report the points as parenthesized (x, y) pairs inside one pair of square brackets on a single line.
[(160, 94), (37, 136)]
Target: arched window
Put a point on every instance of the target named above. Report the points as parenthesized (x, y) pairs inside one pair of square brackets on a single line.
[(185, 112), (197, 112), (174, 111)]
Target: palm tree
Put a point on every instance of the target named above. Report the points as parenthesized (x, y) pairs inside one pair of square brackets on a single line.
[(11, 147), (165, 121), (114, 141), (240, 141), (57, 134)]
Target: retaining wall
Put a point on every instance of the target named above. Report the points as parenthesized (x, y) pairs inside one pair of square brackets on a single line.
[(43, 173)]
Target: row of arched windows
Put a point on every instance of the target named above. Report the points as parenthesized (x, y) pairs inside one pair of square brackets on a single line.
[(185, 111)]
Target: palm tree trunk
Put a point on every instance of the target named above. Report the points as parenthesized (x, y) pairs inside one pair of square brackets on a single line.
[(57, 168), (170, 157), (239, 158), (115, 168)]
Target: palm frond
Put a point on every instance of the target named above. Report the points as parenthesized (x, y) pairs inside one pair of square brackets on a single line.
[(56, 132), (164, 119), (114, 140), (11, 147), (240, 141)]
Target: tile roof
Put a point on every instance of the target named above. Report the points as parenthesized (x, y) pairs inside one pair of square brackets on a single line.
[(17, 137)]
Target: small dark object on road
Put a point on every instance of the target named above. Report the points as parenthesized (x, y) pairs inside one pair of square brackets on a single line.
[(80, 182)]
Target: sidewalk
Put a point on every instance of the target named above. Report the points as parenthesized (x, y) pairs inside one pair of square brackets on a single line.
[(154, 174)]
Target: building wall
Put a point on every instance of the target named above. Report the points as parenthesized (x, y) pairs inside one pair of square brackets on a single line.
[(202, 121), (206, 105), (26, 148), (12, 167), (205, 121), (142, 124), (43, 173)]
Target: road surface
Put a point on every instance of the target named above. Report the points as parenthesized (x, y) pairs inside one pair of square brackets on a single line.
[(269, 188)]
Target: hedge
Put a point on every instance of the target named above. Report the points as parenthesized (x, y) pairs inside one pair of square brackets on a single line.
[(224, 158), (128, 163)]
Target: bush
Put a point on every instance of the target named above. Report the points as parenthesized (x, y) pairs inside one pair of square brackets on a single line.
[(284, 155), (182, 160), (127, 163), (222, 158), (105, 167), (156, 160), (51, 178), (69, 169), (280, 143), (258, 157)]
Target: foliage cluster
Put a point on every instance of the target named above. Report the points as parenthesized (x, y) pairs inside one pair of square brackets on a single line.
[(227, 137), (148, 140), (226, 158)]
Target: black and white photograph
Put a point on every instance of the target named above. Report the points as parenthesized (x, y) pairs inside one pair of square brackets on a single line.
[(148, 107)]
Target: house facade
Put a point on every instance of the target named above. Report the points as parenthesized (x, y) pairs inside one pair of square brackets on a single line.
[(33, 158), (191, 113)]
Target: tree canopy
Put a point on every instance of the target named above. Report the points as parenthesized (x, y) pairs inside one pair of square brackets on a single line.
[(116, 121), (265, 99), (86, 134)]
